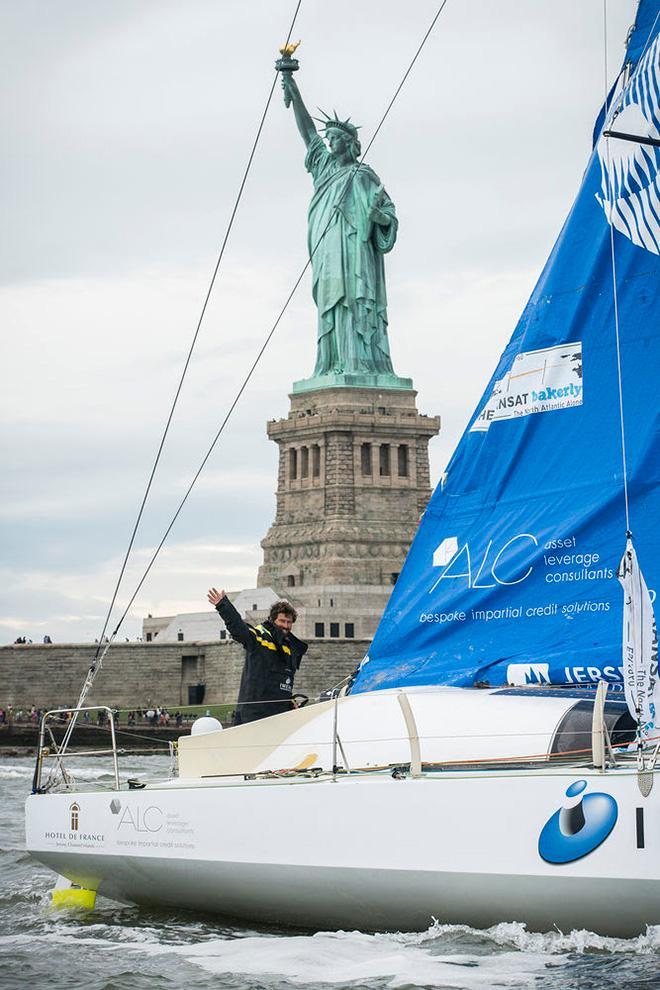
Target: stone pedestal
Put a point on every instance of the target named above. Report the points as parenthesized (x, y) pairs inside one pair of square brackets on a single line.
[(353, 481)]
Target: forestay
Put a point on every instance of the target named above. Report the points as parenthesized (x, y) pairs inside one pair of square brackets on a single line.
[(513, 574)]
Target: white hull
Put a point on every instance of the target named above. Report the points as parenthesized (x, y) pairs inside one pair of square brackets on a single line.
[(366, 851)]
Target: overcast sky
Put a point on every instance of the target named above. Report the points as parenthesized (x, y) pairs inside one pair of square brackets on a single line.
[(126, 127)]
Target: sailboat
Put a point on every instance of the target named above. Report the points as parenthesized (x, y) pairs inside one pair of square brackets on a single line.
[(495, 755)]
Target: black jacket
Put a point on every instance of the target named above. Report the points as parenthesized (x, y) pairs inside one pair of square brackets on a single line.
[(272, 658)]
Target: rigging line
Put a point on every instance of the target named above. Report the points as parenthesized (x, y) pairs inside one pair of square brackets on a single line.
[(614, 285), (641, 54), (265, 344), (194, 341), (97, 660), (610, 196), (646, 45), (357, 167), (405, 76), (214, 442)]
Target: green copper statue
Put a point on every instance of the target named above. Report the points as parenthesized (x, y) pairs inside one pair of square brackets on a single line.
[(352, 224)]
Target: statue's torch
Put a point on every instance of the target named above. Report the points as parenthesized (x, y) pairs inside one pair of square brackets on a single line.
[(287, 64)]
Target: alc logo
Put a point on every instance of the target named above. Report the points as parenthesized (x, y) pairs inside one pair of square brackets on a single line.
[(141, 820), (488, 569)]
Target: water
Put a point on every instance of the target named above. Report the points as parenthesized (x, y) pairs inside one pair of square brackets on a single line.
[(122, 948)]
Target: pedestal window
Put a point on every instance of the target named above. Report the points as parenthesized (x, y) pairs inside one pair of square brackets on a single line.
[(384, 460), (365, 458)]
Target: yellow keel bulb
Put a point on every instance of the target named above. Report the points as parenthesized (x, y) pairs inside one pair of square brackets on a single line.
[(67, 895)]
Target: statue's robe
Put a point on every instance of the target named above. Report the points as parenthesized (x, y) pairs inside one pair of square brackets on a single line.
[(347, 264)]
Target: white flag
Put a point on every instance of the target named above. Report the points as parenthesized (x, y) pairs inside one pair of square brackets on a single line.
[(640, 646)]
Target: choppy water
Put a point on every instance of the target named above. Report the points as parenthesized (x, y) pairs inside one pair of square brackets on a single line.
[(119, 948)]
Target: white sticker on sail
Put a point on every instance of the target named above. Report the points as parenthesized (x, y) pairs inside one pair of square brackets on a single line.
[(539, 381)]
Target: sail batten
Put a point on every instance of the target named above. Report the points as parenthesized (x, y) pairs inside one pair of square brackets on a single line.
[(512, 577)]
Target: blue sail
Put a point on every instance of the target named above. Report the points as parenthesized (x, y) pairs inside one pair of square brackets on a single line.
[(512, 575)]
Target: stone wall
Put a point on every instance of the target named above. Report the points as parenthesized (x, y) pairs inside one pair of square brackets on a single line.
[(137, 674)]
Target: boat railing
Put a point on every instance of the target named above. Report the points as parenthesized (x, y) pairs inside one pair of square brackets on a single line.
[(53, 750), (598, 749)]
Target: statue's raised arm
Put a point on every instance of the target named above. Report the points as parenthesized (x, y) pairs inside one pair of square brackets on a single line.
[(300, 111)]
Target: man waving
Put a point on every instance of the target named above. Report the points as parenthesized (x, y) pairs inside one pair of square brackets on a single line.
[(272, 657)]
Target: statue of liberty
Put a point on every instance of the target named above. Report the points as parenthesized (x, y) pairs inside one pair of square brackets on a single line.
[(352, 224)]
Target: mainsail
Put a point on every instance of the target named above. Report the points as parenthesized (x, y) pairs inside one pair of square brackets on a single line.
[(512, 577)]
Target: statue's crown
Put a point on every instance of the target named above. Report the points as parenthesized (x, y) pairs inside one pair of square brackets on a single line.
[(334, 123)]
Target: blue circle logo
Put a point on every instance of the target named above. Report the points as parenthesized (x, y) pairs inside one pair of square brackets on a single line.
[(579, 827)]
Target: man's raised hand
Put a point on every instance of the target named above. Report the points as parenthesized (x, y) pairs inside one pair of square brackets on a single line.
[(215, 596)]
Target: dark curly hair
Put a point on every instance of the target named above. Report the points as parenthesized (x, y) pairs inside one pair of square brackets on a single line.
[(282, 608)]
